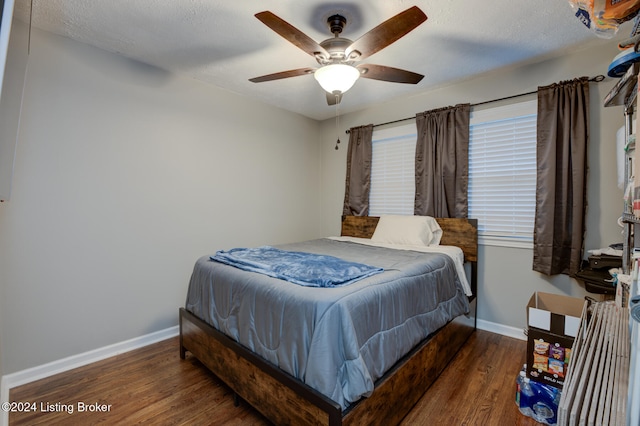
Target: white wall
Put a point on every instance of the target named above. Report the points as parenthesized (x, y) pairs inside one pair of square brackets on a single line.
[(506, 280), (124, 176)]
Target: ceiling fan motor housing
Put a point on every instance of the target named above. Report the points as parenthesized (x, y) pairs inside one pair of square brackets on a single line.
[(336, 47)]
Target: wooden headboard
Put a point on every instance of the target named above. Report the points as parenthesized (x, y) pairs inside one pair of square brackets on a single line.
[(462, 233)]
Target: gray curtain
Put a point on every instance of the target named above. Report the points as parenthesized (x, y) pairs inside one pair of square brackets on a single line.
[(358, 182), (563, 135), (442, 162)]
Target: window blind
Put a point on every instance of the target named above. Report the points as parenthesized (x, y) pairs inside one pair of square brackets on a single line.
[(502, 176), (393, 182)]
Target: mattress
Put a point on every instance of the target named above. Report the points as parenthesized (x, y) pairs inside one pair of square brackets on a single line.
[(337, 340)]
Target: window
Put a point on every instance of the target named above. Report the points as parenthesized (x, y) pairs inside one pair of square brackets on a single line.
[(502, 172), (393, 183)]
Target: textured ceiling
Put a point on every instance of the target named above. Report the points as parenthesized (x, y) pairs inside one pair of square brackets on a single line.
[(220, 42)]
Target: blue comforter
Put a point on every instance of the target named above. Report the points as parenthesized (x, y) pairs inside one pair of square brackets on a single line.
[(307, 269), (337, 340)]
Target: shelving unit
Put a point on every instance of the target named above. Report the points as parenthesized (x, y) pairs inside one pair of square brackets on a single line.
[(624, 93)]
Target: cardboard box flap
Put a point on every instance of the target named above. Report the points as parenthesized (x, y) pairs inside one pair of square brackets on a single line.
[(555, 313)]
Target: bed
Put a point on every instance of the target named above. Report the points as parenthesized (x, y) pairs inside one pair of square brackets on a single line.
[(378, 384)]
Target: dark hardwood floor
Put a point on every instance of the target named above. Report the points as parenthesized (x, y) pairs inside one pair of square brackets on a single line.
[(153, 386)]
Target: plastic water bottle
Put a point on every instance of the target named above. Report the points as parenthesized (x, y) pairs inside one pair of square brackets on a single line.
[(524, 395), (537, 400)]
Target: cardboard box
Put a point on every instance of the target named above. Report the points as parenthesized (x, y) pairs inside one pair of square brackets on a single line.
[(553, 322)]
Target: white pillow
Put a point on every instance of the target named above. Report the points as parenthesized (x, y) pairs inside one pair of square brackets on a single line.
[(407, 230)]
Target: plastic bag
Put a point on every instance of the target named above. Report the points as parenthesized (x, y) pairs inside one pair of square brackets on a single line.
[(619, 11), (605, 16), (537, 400)]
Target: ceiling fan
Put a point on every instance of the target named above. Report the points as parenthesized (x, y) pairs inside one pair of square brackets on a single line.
[(337, 56)]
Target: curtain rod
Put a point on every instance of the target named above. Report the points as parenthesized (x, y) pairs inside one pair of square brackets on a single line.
[(596, 79)]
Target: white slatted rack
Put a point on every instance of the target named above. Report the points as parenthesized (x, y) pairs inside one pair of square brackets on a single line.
[(596, 387)]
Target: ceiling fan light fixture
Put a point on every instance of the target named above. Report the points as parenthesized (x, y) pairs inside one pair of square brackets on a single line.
[(337, 77)]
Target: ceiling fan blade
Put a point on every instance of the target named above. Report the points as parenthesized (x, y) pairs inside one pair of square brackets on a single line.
[(386, 33), (333, 99), (283, 74), (291, 34), (395, 75)]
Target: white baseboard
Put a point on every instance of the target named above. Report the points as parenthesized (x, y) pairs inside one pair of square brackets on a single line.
[(505, 330), (19, 378), (9, 381)]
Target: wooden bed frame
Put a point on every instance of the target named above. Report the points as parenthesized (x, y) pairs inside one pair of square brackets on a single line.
[(283, 399)]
